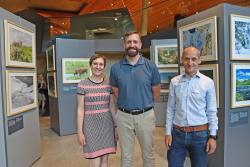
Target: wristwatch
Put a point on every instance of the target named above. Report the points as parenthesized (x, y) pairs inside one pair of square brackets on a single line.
[(213, 137)]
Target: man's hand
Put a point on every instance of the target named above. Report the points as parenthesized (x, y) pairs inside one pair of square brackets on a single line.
[(211, 146), (168, 141), (81, 139)]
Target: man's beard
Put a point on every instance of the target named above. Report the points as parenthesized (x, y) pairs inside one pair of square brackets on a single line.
[(132, 52)]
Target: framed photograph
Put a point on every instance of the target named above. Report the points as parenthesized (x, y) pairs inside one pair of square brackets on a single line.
[(50, 57), (240, 37), (20, 46), (211, 71), (75, 69), (166, 55), (202, 35), (166, 75), (240, 85), (21, 91), (52, 88)]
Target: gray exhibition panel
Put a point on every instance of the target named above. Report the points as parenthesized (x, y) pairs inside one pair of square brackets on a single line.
[(63, 108), (21, 148), (161, 105), (233, 146)]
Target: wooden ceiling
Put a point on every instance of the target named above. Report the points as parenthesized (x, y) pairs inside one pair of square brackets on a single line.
[(161, 13)]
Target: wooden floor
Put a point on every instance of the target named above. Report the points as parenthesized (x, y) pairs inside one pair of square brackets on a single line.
[(63, 151)]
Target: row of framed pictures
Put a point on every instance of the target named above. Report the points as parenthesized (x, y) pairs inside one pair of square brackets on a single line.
[(240, 81), (203, 35), (73, 71), (210, 70), (21, 86), (21, 90), (51, 71), (20, 52)]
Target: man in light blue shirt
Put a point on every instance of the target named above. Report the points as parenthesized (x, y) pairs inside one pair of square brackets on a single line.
[(192, 120)]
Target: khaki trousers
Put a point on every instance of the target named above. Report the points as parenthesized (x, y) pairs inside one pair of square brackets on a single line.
[(143, 127)]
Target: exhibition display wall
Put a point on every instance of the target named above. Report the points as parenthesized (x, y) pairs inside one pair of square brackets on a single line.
[(222, 34), (19, 119), (164, 53), (63, 78), (67, 64)]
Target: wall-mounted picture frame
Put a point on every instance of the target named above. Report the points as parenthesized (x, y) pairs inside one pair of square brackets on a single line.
[(75, 69), (20, 46), (211, 71), (52, 84), (21, 91), (166, 55), (202, 35), (240, 85), (239, 37), (50, 58), (166, 76)]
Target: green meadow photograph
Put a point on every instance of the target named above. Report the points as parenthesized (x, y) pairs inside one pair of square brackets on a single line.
[(75, 69), (20, 46)]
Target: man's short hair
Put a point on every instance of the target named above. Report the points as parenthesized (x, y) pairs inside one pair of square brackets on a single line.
[(128, 33), (198, 51)]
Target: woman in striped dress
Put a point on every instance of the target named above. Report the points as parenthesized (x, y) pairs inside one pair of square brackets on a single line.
[(95, 123)]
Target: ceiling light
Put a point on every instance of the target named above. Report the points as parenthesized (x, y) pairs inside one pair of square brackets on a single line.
[(157, 26), (51, 26), (111, 4), (149, 2), (116, 19), (163, 12), (63, 23)]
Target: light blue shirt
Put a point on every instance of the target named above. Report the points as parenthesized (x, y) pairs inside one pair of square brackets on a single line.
[(192, 102)]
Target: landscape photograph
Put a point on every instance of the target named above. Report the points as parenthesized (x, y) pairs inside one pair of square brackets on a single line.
[(75, 69), (20, 46)]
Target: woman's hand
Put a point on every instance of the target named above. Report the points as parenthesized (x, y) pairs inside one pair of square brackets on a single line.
[(81, 139)]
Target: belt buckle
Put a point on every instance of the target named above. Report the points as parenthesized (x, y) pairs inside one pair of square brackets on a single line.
[(188, 129), (185, 129), (135, 110)]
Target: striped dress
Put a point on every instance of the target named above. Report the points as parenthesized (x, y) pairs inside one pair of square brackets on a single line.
[(98, 126)]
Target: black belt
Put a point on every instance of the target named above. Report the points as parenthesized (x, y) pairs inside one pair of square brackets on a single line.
[(135, 112)]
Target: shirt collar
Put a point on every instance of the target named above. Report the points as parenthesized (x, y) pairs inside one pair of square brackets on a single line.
[(140, 60), (186, 77)]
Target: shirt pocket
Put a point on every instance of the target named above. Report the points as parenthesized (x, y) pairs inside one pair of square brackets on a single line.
[(196, 94), (198, 98)]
